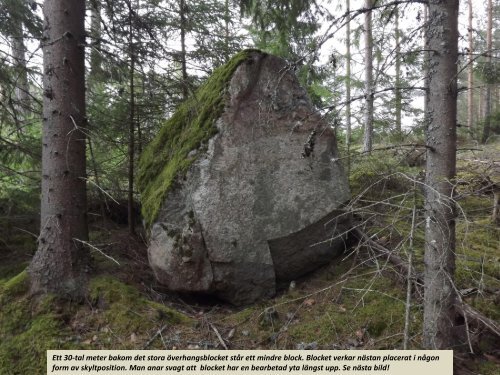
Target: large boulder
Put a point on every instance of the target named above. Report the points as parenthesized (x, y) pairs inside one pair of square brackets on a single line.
[(243, 186)]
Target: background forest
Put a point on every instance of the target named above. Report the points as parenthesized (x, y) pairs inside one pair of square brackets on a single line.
[(366, 66)]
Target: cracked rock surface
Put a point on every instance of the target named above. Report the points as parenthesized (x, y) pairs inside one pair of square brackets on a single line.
[(262, 201)]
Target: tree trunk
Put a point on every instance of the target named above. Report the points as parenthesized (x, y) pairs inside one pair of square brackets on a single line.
[(60, 263), (495, 215), (102, 197), (185, 88), (19, 60), (348, 78), (398, 95), (487, 113), (227, 20), (426, 66), (95, 35), (368, 135), (95, 75), (131, 131), (439, 259), (470, 93), (496, 97), (489, 86), (479, 112)]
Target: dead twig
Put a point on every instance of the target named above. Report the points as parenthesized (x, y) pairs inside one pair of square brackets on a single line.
[(218, 336), (158, 333), (462, 308), (96, 249)]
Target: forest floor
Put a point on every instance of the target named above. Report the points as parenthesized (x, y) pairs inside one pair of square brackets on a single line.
[(356, 302)]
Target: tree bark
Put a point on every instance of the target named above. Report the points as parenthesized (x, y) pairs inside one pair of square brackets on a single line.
[(185, 88), (426, 66), (439, 259), (489, 86), (95, 75), (398, 96), (495, 215), (402, 268), (479, 112), (227, 21), (20, 64), (131, 130), (368, 134), (95, 34), (60, 263), (348, 78), (470, 76)]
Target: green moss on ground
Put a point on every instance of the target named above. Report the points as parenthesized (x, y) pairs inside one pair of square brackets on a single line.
[(8, 270), (328, 313), (488, 368), (14, 286), (114, 313), (383, 194), (123, 311), (27, 328), (193, 124), (353, 317)]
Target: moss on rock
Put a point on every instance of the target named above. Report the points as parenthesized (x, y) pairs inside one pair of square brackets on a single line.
[(193, 124)]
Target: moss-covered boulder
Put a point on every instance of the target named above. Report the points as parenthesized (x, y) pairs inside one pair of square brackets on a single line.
[(242, 186)]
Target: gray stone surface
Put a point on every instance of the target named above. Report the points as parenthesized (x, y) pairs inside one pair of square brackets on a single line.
[(258, 205)]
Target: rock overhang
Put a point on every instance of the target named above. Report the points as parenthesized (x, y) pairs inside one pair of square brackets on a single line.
[(260, 200)]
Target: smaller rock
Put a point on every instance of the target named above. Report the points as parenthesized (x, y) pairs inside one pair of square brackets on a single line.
[(352, 343), (274, 337), (309, 302), (231, 333), (307, 346), (360, 334), (269, 316)]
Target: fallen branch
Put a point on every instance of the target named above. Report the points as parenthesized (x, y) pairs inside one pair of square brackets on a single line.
[(476, 316), (96, 249), (218, 336), (158, 333), (489, 162), (462, 308), (390, 147)]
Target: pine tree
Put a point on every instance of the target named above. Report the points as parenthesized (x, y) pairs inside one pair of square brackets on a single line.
[(369, 95), (439, 298), (60, 263), (348, 77), (470, 70), (489, 83)]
